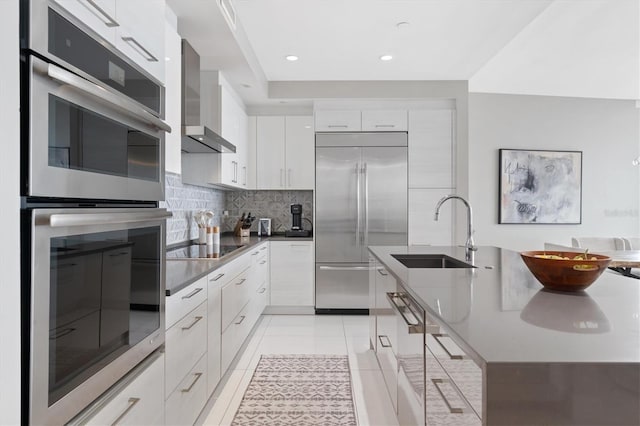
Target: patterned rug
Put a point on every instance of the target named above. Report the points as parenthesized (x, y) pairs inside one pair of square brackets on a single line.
[(301, 390)]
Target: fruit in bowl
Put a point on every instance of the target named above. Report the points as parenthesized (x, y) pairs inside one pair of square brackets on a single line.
[(565, 271)]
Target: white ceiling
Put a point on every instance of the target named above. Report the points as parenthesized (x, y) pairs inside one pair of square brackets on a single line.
[(588, 48)]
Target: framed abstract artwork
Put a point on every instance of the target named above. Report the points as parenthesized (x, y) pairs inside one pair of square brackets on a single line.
[(540, 187)]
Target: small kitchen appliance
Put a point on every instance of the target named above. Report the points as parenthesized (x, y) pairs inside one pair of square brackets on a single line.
[(264, 227), (296, 225)]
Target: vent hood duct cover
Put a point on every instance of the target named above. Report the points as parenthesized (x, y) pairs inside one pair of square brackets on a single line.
[(196, 137)]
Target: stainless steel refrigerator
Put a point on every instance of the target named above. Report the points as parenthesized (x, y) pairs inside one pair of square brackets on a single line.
[(361, 200)]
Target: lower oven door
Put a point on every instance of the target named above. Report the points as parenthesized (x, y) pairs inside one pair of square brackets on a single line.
[(96, 303)]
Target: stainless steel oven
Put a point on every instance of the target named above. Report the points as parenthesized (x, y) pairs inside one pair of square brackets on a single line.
[(95, 124), (97, 290)]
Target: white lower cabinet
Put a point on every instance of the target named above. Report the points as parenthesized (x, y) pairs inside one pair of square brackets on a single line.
[(185, 403), (292, 268), (140, 401), (214, 329)]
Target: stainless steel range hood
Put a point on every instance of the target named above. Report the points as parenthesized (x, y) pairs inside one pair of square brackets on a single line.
[(196, 137)]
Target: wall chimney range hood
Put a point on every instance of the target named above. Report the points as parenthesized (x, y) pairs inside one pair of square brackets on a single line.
[(196, 137)]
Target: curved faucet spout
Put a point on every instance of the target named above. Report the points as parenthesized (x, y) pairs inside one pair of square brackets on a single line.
[(470, 245)]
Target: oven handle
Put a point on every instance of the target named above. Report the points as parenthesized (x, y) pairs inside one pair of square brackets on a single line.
[(84, 219), (121, 103)]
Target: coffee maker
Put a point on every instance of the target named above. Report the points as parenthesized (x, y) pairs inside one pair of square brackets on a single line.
[(296, 223)]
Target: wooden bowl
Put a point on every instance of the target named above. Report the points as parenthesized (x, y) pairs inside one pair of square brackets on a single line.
[(562, 274)]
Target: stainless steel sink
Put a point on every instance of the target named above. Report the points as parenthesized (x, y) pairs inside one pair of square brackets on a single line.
[(430, 261)]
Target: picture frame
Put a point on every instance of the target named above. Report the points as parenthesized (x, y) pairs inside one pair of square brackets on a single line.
[(540, 187)]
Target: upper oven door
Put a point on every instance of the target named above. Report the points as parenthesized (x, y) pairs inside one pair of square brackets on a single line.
[(63, 39), (85, 142), (97, 303)]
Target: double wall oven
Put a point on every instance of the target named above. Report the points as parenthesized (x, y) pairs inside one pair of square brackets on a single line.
[(92, 237)]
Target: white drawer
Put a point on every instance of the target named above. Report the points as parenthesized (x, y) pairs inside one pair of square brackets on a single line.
[(180, 304), (185, 343), (140, 402), (262, 298), (235, 295), (338, 121), (233, 337), (384, 121), (185, 403)]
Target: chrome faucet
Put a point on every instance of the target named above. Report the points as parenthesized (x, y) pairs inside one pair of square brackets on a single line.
[(469, 244)]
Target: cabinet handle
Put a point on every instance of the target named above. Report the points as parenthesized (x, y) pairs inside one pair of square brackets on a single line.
[(263, 248), (108, 21), (245, 175), (385, 125), (241, 281), (62, 333), (255, 253), (198, 375), (452, 410), (263, 262), (192, 324), (451, 356), (382, 272), (119, 254), (193, 293), (132, 402), (64, 265), (217, 277), (416, 327), (282, 177), (289, 177), (140, 49), (263, 290), (242, 317), (337, 126), (388, 345)]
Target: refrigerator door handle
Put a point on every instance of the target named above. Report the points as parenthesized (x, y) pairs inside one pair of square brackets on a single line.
[(365, 235), (358, 214)]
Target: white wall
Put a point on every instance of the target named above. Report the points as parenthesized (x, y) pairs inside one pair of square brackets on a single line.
[(9, 217), (606, 131)]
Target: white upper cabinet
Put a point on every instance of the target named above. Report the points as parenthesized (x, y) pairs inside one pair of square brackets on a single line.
[(270, 167), (98, 15), (140, 34), (252, 155), (285, 152), (299, 152), (393, 120), (431, 147), (338, 121)]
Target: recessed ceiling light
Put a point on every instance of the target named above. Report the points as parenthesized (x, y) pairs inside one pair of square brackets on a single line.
[(291, 58), (166, 58), (200, 139), (386, 57)]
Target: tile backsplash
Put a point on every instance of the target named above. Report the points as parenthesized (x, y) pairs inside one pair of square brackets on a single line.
[(183, 201), (271, 204)]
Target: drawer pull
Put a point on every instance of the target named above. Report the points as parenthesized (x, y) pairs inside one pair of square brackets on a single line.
[(263, 262), (140, 49), (241, 281), (452, 410), (255, 253), (451, 356), (413, 327), (388, 345), (263, 290), (385, 125), (241, 319), (198, 375), (263, 248), (383, 272), (122, 253), (108, 19), (132, 402), (193, 323), (193, 293), (62, 333), (337, 126), (217, 277)]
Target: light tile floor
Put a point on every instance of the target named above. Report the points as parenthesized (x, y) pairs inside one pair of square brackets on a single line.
[(307, 334)]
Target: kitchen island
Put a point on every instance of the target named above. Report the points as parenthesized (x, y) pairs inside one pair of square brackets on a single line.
[(541, 357)]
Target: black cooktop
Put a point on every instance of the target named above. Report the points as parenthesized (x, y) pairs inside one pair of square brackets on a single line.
[(201, 251)]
